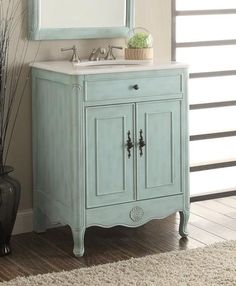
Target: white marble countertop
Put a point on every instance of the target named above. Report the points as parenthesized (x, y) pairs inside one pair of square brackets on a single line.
[(102, 67)]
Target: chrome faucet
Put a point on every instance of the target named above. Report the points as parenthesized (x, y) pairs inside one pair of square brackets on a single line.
[(96, 54), (75, 56), (110, 55)]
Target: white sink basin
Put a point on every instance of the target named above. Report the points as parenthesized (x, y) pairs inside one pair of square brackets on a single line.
[(111, 63)]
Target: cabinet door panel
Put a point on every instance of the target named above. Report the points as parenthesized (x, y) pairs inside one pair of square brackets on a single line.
[(109, 171), (159, 167)]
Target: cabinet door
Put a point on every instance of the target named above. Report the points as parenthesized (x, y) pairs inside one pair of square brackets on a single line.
[(109, 169), (158, 169)]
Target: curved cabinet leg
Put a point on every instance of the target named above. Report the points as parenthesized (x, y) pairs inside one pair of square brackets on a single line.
[(40, 221), (184, 216), (78, 236)]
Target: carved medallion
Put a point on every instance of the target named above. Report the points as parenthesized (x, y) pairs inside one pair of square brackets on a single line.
[(136, 214)]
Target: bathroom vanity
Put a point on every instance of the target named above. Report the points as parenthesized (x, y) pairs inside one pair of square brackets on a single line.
[(110, 145)]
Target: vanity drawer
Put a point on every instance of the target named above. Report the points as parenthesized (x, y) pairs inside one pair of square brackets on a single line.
[(132, 87)]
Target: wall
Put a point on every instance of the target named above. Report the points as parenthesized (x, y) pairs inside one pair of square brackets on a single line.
[(155, 15)]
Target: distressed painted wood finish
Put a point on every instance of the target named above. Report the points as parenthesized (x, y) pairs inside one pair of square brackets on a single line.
[(109, 169), (159, 161), (133, 214), (100, 90), (83, 175), (58, 151), (35, 32), (52, 148)]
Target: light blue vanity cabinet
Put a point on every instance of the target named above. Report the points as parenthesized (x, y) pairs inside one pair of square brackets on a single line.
[(109, 148)]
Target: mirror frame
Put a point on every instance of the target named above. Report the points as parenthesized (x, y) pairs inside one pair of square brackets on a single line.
[(36, 33)]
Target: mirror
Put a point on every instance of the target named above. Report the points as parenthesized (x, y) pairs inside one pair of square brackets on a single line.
[(79, 19)]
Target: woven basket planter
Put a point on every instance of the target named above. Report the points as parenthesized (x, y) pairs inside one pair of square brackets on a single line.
[(139, 54)]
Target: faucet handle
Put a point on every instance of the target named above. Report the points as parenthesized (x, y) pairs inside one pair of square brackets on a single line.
[(75, 56), (110, 55)]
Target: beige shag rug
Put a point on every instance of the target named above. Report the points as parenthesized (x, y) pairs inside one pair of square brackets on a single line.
[(209, 266)]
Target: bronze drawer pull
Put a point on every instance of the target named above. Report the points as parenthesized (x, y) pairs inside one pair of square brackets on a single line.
[(130, 144), (141, 142)]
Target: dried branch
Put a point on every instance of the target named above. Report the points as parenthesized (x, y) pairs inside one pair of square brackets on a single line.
[(11, 73)]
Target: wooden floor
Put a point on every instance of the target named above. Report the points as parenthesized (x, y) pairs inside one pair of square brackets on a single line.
[(210, 221)]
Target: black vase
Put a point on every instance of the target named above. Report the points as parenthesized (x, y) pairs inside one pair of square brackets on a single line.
[(9, 202)]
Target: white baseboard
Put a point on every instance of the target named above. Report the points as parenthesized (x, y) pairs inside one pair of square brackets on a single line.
[(24, 222)]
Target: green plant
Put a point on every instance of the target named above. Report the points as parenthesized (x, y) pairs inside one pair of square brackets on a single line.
[(140, 40)]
